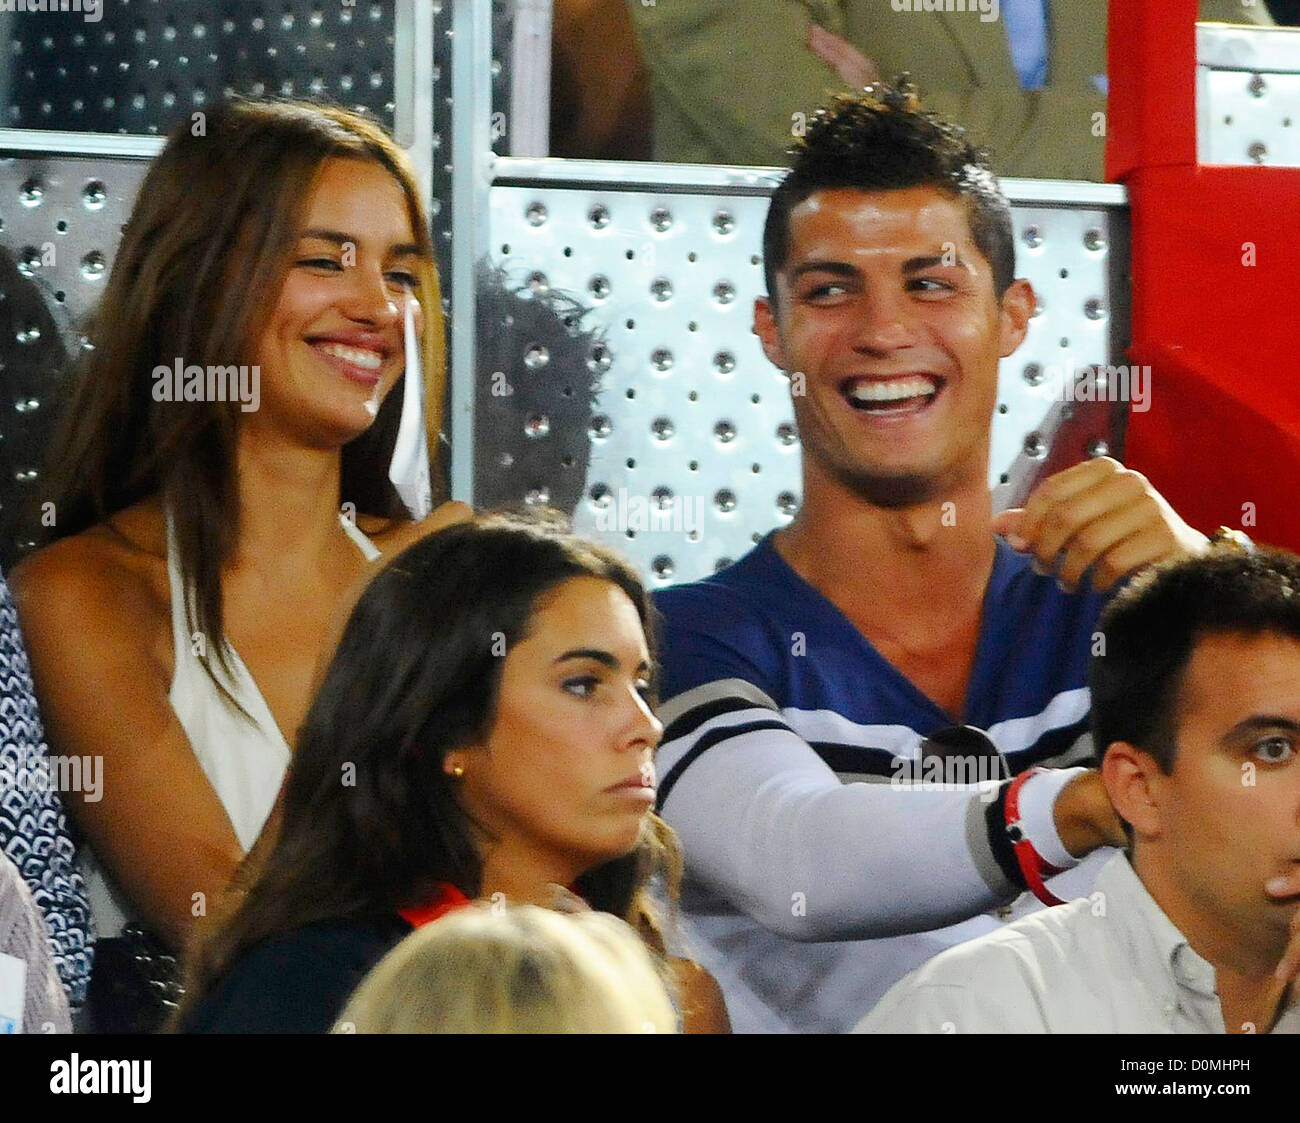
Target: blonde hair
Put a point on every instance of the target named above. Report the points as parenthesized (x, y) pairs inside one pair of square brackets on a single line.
[(524, 970)]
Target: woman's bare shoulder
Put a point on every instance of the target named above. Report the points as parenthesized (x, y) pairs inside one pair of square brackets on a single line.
[(393, 536), (118, 568)]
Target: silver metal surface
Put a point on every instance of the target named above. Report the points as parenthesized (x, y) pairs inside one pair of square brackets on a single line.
[(471, 87), (1248, 95), (60, 225)]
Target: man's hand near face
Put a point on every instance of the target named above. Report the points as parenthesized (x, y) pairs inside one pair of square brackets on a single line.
[(1288, 889), (1101, 517)]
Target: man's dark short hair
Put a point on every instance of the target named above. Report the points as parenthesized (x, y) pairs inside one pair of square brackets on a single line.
[(880, 140), (1151, 628)]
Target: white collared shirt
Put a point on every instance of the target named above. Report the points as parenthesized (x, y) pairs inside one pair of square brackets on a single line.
[(1111, 962)]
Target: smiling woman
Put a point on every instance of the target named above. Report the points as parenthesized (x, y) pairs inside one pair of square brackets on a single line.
[(200, 552)]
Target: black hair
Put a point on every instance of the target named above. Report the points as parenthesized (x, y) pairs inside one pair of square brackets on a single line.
[(1151, 628), (881, 140)]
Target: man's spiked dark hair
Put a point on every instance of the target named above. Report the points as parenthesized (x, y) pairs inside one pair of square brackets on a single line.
[(881, 140)]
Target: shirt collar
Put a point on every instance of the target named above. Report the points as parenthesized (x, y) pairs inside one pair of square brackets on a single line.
[(1156, 945)]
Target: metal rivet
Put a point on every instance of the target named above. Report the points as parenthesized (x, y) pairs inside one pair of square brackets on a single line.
[(661, 219), (661, 359), (599, 286), (662, 428), (661, 290), (725, 432), (725, 500), (724, 292), (1035, 446), (724, 362), (598, 216), (536, 356), (538, 425), (1033, 237), (723, 222), (600, 427), (536, 214)]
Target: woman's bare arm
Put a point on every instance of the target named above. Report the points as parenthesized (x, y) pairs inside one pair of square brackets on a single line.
[(158, 827)]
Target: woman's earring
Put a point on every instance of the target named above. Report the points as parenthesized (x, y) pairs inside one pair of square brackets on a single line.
[(458, 770)]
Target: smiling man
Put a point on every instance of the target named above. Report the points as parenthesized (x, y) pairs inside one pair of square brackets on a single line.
[(887, 616), (1198, 699)]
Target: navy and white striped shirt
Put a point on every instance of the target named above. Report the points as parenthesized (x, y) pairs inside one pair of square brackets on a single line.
[(810, 895)]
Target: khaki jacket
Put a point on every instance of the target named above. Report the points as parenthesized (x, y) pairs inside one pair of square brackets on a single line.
[(732, 77)]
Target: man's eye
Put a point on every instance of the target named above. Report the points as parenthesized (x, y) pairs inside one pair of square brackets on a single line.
[(930, 284), (1275, 750), (822, 291), (582, 687)]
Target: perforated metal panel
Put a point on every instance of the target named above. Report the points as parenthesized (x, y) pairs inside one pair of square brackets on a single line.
[(1248, 95), (144, 64), (693, 453), (60, 225)]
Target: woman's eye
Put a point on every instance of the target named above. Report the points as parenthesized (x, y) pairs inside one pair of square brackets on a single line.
[(582, 687), (321, 263), (1275, 750), (407, 280)]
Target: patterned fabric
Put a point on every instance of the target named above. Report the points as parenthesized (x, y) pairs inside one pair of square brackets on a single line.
[(33, 828)]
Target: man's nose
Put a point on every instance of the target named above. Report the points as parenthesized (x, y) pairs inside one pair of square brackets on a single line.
[(885, 323)]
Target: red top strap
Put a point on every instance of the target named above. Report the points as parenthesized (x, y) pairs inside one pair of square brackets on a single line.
[(447, 898)]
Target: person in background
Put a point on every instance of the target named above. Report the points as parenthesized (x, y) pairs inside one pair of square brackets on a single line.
[(1196, 929), (31, 996), (526, 970), (731, 81), (34, 832), (484, 731), (207, 527)]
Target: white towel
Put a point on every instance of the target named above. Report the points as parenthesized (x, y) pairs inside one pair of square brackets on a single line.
[(409, 469)]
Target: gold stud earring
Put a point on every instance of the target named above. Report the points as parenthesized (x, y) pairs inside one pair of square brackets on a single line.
[(458, 770)]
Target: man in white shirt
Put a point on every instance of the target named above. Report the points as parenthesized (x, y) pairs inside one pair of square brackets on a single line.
[(1197, 928)]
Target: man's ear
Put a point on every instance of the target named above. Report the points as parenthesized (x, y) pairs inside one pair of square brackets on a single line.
[(1018, 304), (1130, 778), (768, 334)]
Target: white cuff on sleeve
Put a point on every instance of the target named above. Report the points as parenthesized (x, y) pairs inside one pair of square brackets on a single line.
[(1037, 801)]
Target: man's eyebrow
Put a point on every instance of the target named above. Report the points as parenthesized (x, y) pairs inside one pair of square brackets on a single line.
[(1257, 723), (401, 249), (599, 655), (915, 264), (835, 268), (844, 269)]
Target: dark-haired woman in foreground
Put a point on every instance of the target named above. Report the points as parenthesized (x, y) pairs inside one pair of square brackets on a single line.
[(484, 731)]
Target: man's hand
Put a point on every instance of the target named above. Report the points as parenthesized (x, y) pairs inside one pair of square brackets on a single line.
[(1084, 817), (1284, 888), (849, 63), (1101, 517)]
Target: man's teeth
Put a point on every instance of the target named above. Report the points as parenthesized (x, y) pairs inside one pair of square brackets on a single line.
[(370, 360), (894, 391)]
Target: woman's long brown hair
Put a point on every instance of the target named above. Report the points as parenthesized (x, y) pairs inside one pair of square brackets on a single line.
[(202, 258), (371, 821)]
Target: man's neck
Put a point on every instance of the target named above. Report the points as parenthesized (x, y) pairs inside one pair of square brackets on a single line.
[(1250, 995), (892, 562)]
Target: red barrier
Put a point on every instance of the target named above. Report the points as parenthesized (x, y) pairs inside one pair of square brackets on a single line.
[(1214, 291)]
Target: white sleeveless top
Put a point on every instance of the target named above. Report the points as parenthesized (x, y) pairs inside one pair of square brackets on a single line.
[(244, 761)]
